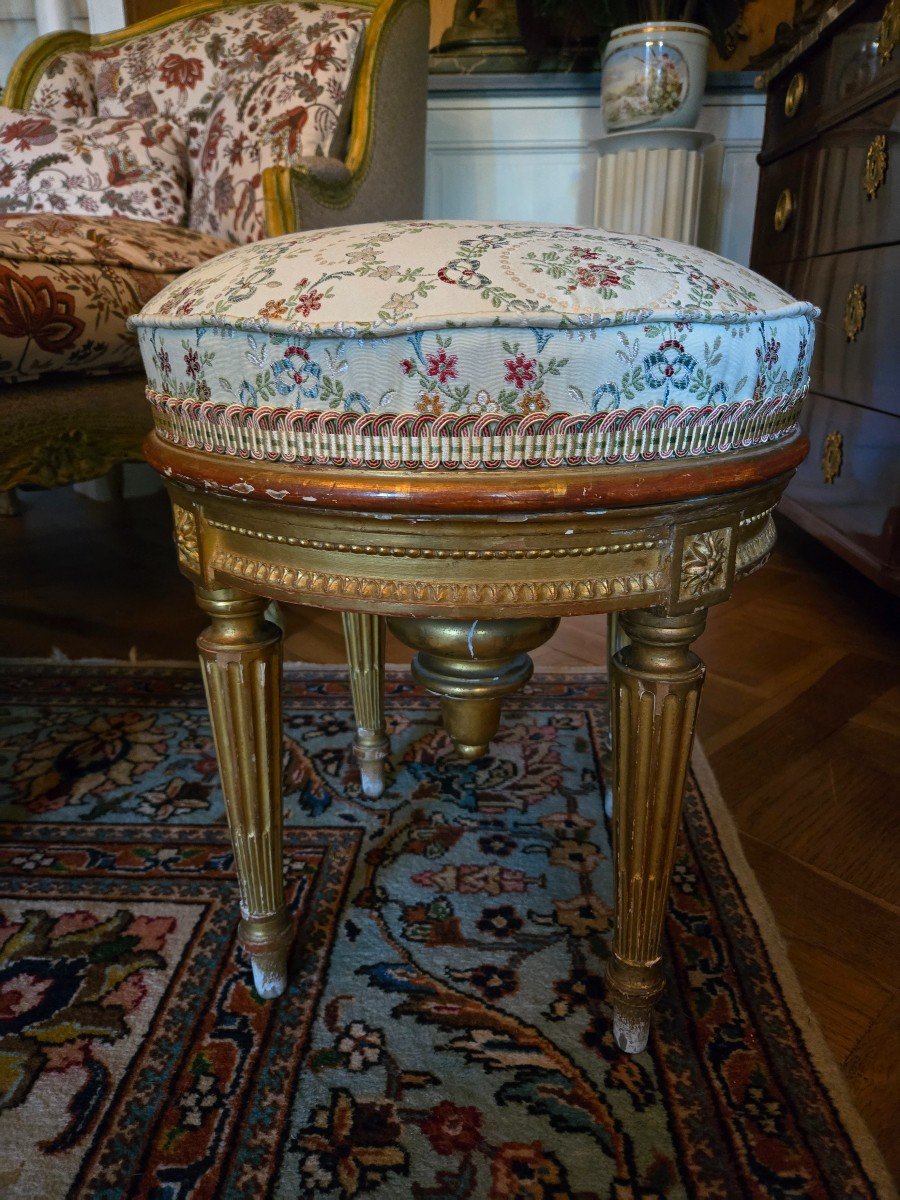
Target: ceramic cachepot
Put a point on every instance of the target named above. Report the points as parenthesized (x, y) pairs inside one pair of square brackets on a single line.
[(654, 75)]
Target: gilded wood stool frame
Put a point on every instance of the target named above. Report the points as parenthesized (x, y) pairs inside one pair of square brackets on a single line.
[(472, 569)]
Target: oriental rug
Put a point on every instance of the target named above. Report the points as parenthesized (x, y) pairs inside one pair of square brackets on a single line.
[(445, 1034)]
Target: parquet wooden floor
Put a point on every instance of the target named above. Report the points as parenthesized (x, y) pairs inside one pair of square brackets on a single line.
[(800, 719)]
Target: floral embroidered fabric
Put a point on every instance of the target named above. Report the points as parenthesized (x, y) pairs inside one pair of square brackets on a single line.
[(253, 86), (69, 283), (250, 86), (119, 167), (477, 344), (66, 88)]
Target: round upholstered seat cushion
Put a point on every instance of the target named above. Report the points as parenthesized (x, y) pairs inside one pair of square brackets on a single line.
[(472, 344)]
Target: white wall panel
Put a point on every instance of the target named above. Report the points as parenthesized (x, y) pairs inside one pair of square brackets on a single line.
[(731, 172), (516, 156), (526, 155), (105, 15), (21, 21), (17, 28)]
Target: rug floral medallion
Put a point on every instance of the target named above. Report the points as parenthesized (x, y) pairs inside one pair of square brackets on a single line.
[(445, 1034)]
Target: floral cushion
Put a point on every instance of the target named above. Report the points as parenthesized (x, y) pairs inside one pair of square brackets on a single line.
[(66, 87), (99, 167), (452, 343), (69, 283), (253, 86)]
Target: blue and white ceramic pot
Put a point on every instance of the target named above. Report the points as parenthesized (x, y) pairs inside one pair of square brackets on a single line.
[(654, 75)]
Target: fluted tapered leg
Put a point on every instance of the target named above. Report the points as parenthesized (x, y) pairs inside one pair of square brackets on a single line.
[(364, 635), (615, 641), (654, 692), (240, 654)]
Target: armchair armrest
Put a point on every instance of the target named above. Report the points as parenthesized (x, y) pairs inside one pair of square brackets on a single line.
[(383, 176), (296, 196), (318, 175)]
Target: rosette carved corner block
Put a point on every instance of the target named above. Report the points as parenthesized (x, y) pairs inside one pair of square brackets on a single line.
[(703, 568), (654, 693), (187, 538), (240, 656)]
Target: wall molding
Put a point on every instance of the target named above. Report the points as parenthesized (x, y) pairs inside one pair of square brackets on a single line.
[(516, 174)]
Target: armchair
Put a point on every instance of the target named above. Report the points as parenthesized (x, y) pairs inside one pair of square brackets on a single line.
[(270, 151)]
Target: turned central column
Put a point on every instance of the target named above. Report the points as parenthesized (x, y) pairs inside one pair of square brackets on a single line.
[(471, 666)]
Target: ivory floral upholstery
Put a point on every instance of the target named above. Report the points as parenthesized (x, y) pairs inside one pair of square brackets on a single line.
[(251, 86), (256, 86), (126, 130), (263, 93), (445, 344), (69, 283), (97, 166), (66, 89)]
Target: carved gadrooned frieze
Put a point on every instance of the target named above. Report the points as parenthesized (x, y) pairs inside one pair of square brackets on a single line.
[(337, 590), (537, 565), (756, 544)]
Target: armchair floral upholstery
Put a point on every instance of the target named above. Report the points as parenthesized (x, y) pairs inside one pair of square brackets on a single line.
[(296, 114)]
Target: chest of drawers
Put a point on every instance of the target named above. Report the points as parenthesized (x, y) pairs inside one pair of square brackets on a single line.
[(828, 230)]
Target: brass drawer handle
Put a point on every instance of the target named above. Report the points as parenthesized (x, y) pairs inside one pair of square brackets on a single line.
[(832, 456), (889, 30), (855, 311), (784, 210), (795, 93), (876, 165)]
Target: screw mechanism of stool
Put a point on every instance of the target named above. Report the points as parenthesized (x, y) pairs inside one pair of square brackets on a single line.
[(240, 655), (472, 665)]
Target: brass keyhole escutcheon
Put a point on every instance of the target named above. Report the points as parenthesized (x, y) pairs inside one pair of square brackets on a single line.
[(795, 93), (784, 210), (855, 311), (876, 165), (832, 456), (889, 30)]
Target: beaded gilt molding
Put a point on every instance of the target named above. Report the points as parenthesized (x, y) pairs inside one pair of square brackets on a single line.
[(682, 558)]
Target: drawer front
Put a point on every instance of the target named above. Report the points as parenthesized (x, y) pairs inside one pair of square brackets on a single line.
[(857, 72), (838, 75), (794, 103), (856, 200), (851, 478), (785, 209), (858, 292), (837, 193)]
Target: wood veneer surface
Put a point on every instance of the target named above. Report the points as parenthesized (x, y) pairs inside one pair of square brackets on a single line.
[(139, 10), (800, 719)]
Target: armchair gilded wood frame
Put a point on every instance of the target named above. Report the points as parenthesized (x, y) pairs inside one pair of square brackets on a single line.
[(65, 428)]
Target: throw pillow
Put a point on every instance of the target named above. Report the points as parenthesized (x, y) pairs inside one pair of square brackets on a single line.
[(255, 85), (97, 166)]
